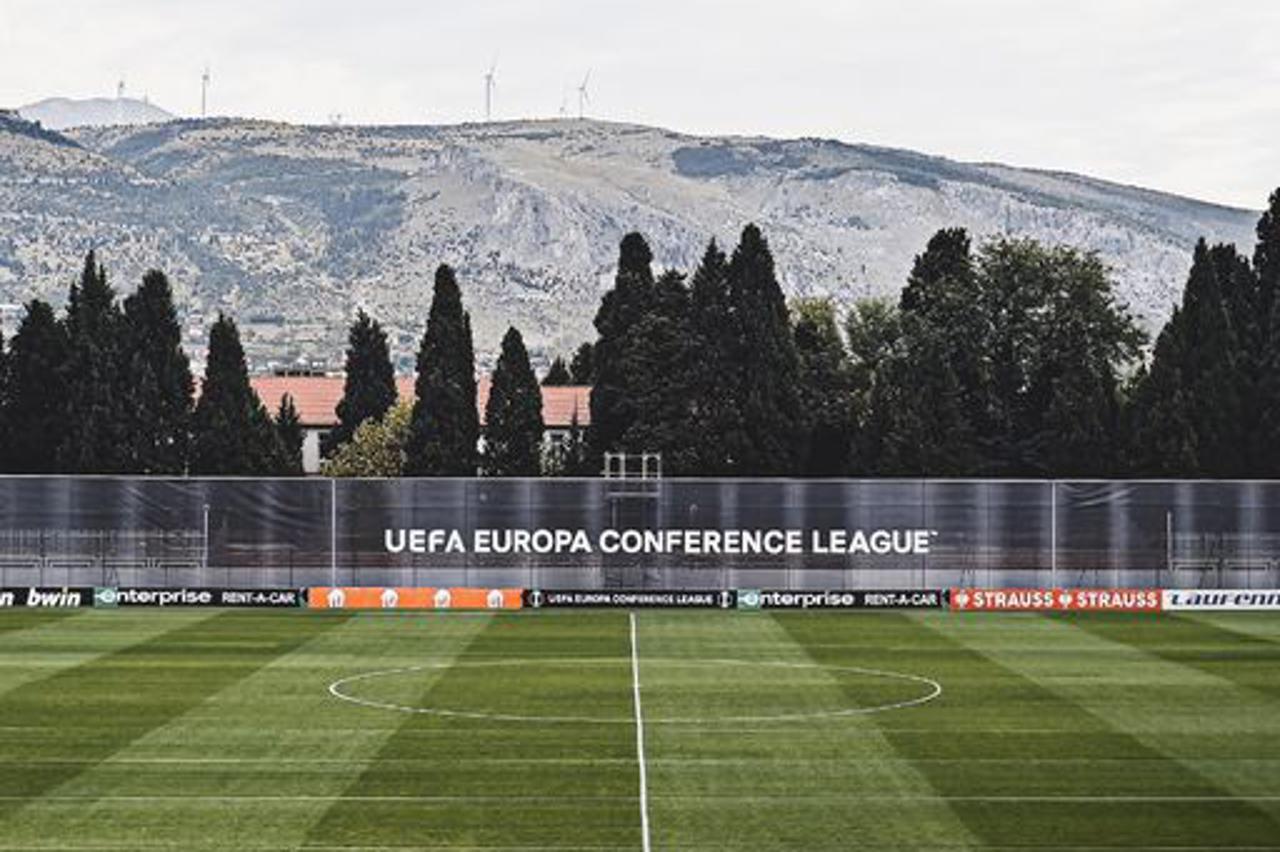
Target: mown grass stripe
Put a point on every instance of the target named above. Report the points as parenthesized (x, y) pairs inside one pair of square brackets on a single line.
[(981, 691), (111, 701), (24, 619), (1244, 659), (62, 644), (358, 819), (719, 782)]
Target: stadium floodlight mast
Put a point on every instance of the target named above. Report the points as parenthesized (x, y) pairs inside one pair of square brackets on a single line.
[(583, 97), (489, 85)]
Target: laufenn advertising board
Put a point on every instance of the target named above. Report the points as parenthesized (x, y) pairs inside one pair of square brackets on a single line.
[(1222, 599)]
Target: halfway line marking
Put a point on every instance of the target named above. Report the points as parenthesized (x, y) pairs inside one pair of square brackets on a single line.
[(635, 691)]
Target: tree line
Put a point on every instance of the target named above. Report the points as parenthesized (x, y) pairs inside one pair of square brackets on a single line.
[(107, 389), (1009, 358)]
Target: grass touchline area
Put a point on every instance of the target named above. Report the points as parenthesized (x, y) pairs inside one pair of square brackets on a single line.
[(217, 730)]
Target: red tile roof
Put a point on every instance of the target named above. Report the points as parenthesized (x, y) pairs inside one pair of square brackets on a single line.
[(317, 397)]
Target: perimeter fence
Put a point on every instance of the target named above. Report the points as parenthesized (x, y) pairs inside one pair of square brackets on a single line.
[(105, 531)]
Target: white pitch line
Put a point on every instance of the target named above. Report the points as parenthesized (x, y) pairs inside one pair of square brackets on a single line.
[(644, 781)]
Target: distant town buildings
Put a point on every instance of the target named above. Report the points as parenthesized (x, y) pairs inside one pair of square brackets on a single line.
[(317, 396)]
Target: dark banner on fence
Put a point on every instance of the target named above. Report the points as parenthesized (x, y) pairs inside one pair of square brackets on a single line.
[(653, 535)]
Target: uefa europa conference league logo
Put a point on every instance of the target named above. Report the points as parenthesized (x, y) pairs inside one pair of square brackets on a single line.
[(684, 542)]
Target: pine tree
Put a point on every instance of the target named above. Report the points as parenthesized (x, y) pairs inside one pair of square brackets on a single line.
[(160, 381), (1057, 341), (918, 425), (873, 328), (557, 374), (513, 415), (232, 433), (1082, 338), (826, 388), (446, 427), (37, 396), (612, 393), (369, 389), (767, 376), (290, 436), (717, 424), (583, 368), (98, 395)]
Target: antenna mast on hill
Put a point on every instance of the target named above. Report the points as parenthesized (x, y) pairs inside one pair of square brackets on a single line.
[(120, 101), (583, 98), (488, 88), (204, 92)]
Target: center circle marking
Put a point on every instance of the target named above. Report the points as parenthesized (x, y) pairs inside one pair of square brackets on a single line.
[(933, 689)]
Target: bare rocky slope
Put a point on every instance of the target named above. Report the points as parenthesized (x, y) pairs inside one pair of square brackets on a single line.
[(291, 227)]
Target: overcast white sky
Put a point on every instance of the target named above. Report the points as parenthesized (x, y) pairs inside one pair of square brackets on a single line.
[(1178, 95)]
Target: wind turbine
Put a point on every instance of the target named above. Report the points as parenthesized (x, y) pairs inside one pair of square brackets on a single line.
[(204, 91), (489, 85), (583, 98)]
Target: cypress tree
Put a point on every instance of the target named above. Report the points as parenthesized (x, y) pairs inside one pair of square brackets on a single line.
[(1266, 257), (583, 368), (1160, 436), (1211, 370), (290, 436), (716, 425), (660, 359), (37, 373), (4, 405), (232, 433), (940, 276), (767, 374), (1266, 437), (613, 391), (944, 291), (445, 426), (513, 415), (557, 374), (98, 397), (1266, 267), (369, 389), (159, 376)]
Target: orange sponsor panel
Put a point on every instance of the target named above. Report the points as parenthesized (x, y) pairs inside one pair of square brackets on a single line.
[(398, 597), (1117, 600)]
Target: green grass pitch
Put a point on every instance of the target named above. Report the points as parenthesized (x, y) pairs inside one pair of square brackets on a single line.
[(218, 730)]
